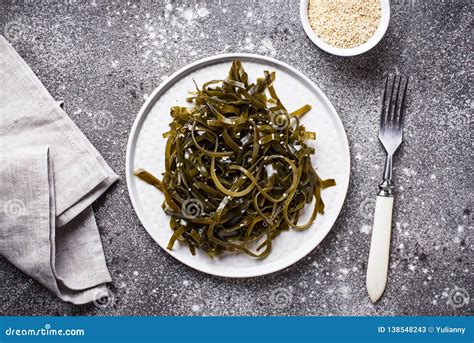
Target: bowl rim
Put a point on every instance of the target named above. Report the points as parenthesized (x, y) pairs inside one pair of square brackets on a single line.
[(373, 41)]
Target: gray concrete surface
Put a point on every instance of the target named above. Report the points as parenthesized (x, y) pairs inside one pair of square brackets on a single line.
[(107, 57)]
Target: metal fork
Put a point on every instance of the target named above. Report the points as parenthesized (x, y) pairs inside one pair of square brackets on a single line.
[(390, 135)]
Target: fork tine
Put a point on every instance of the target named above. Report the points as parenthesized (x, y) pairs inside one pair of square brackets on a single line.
[(402, 104), (390, 102), (396, 100), (384, 112)]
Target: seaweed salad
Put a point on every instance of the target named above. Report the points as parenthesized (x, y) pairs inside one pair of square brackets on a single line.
[(237, 169)]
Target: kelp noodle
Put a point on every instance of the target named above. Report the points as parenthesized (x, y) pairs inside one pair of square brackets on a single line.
[(237, 168)]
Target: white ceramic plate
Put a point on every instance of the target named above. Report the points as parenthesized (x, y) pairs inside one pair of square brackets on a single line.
[(146, 149)]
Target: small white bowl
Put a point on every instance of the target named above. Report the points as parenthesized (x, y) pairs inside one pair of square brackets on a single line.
[(378, 34)]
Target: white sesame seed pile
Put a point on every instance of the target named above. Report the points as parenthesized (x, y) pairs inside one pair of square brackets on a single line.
[(344, 23)]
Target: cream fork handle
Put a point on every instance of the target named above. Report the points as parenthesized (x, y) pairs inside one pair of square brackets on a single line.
[(377, 267)]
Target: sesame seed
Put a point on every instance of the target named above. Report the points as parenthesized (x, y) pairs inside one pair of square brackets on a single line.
[(344, 23)]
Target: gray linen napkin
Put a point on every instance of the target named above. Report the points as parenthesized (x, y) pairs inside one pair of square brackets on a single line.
[(49, 176)]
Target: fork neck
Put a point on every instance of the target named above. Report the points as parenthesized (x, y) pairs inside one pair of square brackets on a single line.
[(386, 187)]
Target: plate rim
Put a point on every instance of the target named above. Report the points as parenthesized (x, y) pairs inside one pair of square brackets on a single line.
[(167, 83)]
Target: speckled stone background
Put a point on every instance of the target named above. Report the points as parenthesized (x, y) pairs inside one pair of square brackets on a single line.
[(104, 58)]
